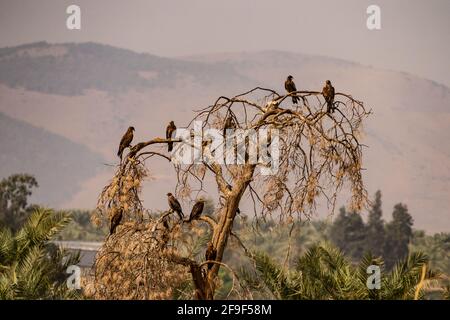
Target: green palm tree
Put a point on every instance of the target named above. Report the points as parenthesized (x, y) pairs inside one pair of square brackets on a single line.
[(30, 266), (324, 273)]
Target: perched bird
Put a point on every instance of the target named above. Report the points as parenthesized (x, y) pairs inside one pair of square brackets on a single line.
[(229, 124), (210, 254), (328, 94), (115, 221), (175, 205), (125, 142), (197, 209), (289, 85), (171, 128), (165, 235), (165, 224)]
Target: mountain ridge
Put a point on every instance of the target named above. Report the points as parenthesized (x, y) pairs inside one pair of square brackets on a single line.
[(47, 156), (409, 154)]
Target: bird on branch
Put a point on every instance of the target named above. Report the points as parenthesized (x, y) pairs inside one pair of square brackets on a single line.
[(175, 205), (197, 209), (125, 141), (289, 85), (115, 221), (210, 254), (229, 124), (328, 94), (171, 128)]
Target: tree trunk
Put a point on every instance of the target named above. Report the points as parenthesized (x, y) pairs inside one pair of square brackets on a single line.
[(225, 225)]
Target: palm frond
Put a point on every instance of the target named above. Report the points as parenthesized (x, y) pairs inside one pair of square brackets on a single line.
[(273, 276), (362, 276), (41, 226), (401, 282), (28, 268), (6, 245)]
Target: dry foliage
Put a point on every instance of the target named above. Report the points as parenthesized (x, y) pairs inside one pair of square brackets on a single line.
[(319, 153)]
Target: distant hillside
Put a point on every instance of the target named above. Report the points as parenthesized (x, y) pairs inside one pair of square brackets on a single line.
[(70, 69), (59, 165), (90, 93)]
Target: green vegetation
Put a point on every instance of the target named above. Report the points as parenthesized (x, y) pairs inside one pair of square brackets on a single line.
[(324, 273), (81, 228), (388, 240), (30, 267), (307, 260), (14, 193), (393, 243)]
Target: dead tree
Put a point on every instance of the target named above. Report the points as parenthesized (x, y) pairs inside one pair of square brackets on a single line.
[(305, 157)]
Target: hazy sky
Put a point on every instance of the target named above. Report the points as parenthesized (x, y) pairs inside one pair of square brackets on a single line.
[(415, 35)]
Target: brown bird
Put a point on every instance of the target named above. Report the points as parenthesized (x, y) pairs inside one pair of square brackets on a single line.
[(289, 85), (125, 142), (197, 209), (165, 224), (210, 254), (328, 94), (115, 221), (171, 128), (175, 205), (229, 124)]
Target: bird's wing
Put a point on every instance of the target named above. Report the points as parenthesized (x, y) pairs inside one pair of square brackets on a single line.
[(326, 92), (169, 131), (123, 140), (290, 86), (175, 204), (194, 209), (198, 208), (127, 138), (294, 88), (115, 220), (208, 253)]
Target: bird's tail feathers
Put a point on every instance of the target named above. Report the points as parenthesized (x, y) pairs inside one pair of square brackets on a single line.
[(329, 106)]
